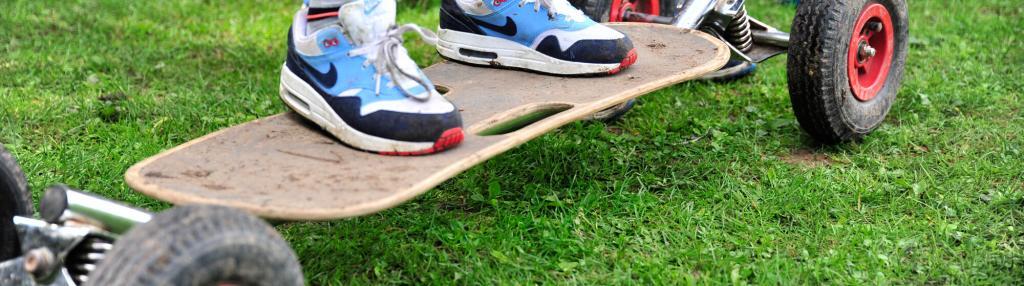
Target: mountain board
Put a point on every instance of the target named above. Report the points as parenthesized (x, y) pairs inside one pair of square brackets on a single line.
[(284, 168)]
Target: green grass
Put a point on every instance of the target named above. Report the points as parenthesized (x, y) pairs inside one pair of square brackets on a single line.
[(701, 183)]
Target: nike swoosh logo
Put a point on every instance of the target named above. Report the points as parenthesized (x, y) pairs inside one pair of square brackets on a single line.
[(509, 29), (328, 79)]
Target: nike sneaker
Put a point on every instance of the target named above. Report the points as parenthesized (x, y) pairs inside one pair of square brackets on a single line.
[(549, 36), (352, 77)]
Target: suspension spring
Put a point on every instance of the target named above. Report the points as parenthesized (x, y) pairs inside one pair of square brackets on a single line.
[(738, 33), (83, 259)]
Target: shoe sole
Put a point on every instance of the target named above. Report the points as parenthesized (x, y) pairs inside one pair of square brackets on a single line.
[(731, 73), (306, 101), (490, 51)]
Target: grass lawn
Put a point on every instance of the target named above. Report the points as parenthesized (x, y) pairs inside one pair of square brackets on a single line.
[(701, 183)]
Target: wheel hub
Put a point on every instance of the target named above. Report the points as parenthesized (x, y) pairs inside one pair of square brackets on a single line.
[(870, 52)]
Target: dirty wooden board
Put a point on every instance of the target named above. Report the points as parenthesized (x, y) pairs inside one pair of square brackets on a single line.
[(282, 167)]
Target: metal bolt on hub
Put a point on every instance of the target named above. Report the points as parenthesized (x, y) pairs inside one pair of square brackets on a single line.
[(875, 26), (865, 51), (40, 262)]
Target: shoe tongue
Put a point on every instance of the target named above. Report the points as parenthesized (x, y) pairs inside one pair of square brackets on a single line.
[(364, 20)]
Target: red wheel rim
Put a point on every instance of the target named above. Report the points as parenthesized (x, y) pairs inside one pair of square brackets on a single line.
[(619, 8), (870, 52)]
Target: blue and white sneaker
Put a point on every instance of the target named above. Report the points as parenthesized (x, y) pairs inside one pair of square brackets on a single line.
[(549, 36), (353, 78)]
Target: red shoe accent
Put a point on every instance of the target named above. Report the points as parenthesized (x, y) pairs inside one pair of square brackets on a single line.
[(628, 61), (448, 139)]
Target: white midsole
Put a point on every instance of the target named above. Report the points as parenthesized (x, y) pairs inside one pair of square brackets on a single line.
[(316, 109), (509, 54)]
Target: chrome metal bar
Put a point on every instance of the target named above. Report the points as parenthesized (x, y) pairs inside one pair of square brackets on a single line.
[(693, 12), (61, 204), (35, 233), (117, 218), (774, 38), (768, 35)]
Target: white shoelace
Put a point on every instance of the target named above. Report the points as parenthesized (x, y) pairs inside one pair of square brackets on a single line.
[(382, 52), (556, 7)]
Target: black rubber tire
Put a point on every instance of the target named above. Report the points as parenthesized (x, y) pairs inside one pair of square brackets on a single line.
[(15, 200), (819, 87), (597, 10), (200, 245)]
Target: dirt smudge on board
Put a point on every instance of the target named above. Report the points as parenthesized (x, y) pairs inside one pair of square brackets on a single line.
[(656, 45), (159, 175), (216, 187), (197, 173), (309, 157)]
